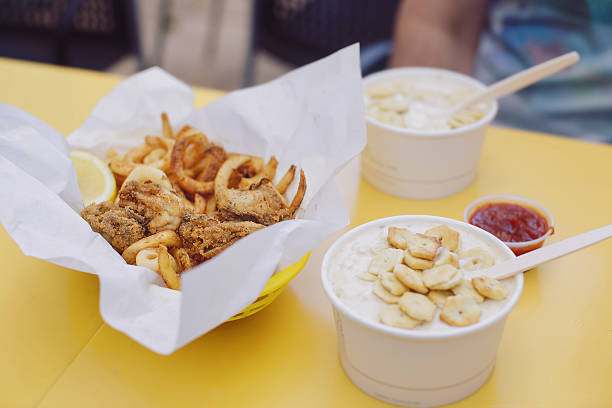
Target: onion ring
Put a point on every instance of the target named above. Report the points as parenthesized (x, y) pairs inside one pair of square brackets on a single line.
[(189, 184), (167, 237), (149, 258)]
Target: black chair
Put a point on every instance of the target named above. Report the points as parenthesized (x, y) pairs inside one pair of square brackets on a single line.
[(301, 31), (82, 33)]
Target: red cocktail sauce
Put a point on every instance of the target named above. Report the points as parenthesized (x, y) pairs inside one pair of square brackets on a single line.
[(510, 222)]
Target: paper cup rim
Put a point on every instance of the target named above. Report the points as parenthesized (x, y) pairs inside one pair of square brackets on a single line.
[(512, 198), (455, 332), (486, 119)]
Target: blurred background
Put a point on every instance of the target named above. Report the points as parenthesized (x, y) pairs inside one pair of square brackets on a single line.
[(224, 44), (230, 44), (203, 42)]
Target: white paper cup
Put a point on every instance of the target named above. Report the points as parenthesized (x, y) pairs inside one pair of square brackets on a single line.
[(417, 368), (423, 164)]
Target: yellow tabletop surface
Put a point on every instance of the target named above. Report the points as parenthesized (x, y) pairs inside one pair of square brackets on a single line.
[(556, 351)]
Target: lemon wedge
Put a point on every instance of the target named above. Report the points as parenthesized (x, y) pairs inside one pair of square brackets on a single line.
[(96, 180)]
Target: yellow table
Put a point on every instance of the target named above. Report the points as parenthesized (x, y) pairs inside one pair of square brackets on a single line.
[(55, 351)]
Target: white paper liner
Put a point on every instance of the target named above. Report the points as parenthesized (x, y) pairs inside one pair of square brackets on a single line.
[(312, 117)]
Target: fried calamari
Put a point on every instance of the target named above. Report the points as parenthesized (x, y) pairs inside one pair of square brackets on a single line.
[(260, 202), (183, 200), (161, 208), (204, 237)]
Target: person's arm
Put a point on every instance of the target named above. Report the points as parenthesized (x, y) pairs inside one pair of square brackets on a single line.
[(438, 33)]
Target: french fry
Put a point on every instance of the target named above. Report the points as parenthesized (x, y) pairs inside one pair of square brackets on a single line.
[(211, 205), (199, 204), (287, 179), (155, 155), (189, 205), (154, 141), (160, 156), (182, 257), (194, 153), (188, 131), (190, 173), (214, 156), (196, 170), (167, 272), (111, 153)]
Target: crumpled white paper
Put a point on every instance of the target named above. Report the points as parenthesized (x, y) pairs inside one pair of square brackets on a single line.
[(312, 117)]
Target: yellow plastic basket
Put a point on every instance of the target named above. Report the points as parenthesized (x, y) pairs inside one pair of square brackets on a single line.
[(273, 288)]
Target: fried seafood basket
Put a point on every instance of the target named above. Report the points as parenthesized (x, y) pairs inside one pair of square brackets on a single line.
[(273, 288)]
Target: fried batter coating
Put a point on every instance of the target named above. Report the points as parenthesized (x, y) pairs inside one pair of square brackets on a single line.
[(121, 227), (205, 237), (161, 208)]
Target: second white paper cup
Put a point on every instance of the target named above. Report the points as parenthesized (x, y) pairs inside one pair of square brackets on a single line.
[(428, 164)]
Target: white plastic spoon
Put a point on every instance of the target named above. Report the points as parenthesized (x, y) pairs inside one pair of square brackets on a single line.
[(514, 83), (539, 256)]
